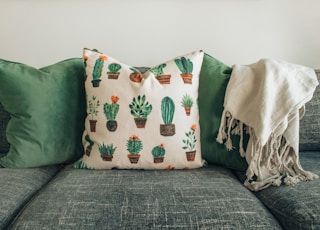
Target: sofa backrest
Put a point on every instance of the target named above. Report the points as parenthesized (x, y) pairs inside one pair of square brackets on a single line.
[(309, 126), (310, 123)]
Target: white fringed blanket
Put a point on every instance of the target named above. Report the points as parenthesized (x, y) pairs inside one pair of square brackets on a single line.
[(268, 98)]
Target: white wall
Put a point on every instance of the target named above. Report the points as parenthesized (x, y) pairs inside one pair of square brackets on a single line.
[(147, 32)]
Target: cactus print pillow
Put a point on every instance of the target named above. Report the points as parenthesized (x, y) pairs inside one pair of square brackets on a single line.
[(141, 121)]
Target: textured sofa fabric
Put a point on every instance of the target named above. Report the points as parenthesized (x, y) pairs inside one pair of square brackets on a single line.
[(298, 206), (18, 187), (310, 123), (207, 198)]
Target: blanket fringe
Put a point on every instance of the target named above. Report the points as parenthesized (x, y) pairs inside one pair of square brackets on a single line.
[(271, 164)]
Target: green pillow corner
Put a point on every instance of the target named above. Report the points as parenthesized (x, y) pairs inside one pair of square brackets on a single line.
[(214, 78), (47, 108)]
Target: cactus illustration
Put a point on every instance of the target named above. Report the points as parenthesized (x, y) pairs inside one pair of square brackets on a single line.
[(187, 103), (140, 109), (97, 71), (159, 74), (158, 70), (167, 112), (184, 65), (158, 151), (114, 67), (134, 146), (110, 111), (107, 151), (114, 70)]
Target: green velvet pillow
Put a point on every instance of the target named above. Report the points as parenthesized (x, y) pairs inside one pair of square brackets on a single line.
[(214, 78), (47, 108)]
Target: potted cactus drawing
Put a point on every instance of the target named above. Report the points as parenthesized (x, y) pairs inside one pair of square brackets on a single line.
[(113, 72), (93, 111), (186, 67), (159, 74), (107, 151), (110, 111), (167, 112), (97, 71), (89, 146), (135, 76), (140, 109), (158, 153), (134, 146), (189, 144), (187, 103)]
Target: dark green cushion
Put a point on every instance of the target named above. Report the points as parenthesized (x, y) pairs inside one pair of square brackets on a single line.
[(47, 107), (214, 78), (4, 119)]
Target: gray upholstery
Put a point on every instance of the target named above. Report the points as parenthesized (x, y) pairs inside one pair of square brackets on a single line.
[(207, 198), (310, 123), (18, 186), (298, 206)]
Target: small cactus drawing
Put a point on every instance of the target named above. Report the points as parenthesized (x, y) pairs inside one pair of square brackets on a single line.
[(113, 70), (107, 151), (158, 153), (140, 109), (134, 146), (187, 103), (89, 146), (167, 113), (186, 67), (159, 74)]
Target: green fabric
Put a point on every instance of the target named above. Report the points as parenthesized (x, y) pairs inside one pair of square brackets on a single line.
[(47, 108), (214, 78)]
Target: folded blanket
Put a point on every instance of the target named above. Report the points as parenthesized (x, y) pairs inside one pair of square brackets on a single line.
[(267, 100)]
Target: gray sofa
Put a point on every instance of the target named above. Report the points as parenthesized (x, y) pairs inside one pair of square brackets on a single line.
[(213, 197)]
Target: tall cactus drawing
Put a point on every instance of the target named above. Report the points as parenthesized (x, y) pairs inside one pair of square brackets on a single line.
[(97, 70), (167, 112), (186, 67)]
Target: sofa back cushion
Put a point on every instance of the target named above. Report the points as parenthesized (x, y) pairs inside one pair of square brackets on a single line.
[(310, 123)]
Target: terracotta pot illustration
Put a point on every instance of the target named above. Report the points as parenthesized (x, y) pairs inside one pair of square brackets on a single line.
[(112, 125), (96, 83), (136, 77), (164, 79), (167, 129), (188, 110), (93, 125), (113, 75), (134, 158), (140, 122), (187, 78), (158, 160), (106, 157), (191, 155)]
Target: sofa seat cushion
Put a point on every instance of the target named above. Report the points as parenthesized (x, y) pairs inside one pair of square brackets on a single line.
[(18, 186), (297, 207), (205, 198)]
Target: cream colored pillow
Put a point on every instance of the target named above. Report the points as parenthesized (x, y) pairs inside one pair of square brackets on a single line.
[(136, 121)]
